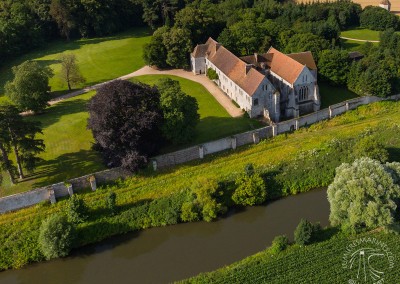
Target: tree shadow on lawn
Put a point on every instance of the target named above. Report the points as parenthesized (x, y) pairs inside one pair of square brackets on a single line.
[(53, 114), (62, 46), (394, 154), (68, 166)]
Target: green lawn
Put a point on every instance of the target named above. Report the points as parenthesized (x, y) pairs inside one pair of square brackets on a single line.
[(99, 59), (360, 33), (215, 122), (68, 146), (68, 142), (332, 95)]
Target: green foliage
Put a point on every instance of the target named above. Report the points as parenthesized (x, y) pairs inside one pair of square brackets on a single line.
[(363, 194), (178, 44), (29, 90), (370, 147), (189, 212), (164, 211), (279, 243), (334, 65), (303, 232), (56, 236), (77, 210), (207, 192), (70, 72), (307, 42), (211, 74), (250, 189), (376, 18), (180, 112), (155, 52), (111, 202)]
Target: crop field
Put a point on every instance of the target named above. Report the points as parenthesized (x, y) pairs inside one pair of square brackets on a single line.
[(395, 4), (319, 263)]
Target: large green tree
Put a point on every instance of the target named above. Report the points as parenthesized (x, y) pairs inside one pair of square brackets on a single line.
[(30, 90), (179, 110), (19, 136), (334, 65), (363, 194), (178, 44)]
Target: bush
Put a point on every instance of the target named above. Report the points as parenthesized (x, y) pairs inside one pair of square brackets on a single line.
[(111, 202), (280, 243), (76, 209), (56, 236), (371, 148), (189, 212), (211, 74), (303, 232), (207, 192), (250, 188)]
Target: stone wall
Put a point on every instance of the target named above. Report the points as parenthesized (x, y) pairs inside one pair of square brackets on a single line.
[(58, 190), (52, 192)]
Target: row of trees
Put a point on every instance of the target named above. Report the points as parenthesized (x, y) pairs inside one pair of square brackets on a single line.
[(131, 121)]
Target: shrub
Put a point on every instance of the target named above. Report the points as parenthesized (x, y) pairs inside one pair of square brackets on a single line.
[(250, 188), (371, 148), (56, 236), (111, 202), (76, 209), (189, 212), (303, 232), (166, 210), (280, 243), (207, 192), (211, 74)]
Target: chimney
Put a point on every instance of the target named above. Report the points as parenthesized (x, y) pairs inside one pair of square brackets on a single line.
[(248, 67)]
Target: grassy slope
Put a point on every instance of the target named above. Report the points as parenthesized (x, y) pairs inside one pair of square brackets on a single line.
[(21, 226), (215, 121), (68, 142), (319, 263), (99, 59)]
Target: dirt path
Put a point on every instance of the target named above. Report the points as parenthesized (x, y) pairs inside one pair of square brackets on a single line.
[(203, 80), (362, 40)]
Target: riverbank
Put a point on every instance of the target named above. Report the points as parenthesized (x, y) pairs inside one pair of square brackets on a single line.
[(166, 254), (287, 163)]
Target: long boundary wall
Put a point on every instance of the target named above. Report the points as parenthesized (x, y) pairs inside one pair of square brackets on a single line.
[(52, 192)]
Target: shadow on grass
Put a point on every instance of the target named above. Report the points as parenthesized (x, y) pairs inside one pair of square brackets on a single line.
[(213, 128), (67, 166), (54, 113), (394, 154), (62, 46)]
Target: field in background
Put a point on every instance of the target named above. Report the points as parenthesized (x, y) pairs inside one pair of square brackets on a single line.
[(395, 3), (99, 59)]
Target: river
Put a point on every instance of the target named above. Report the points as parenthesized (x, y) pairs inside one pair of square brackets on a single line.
[(166, 254)]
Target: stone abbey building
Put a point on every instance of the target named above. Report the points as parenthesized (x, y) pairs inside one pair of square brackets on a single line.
[(274, 85)]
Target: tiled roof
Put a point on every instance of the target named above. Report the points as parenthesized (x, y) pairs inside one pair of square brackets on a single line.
[(304, 58), (283, 65), (235, 69)]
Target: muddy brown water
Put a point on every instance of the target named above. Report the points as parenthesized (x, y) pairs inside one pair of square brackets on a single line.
[(163, 255)]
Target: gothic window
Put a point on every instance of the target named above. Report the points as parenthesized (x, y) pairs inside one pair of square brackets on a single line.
[(303, 93), (256, 102)]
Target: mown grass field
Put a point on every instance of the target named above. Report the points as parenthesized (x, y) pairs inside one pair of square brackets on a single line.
[(19, 232), (99, 59), (316, 263), (215, 122), (363, 34), (68, 142)]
